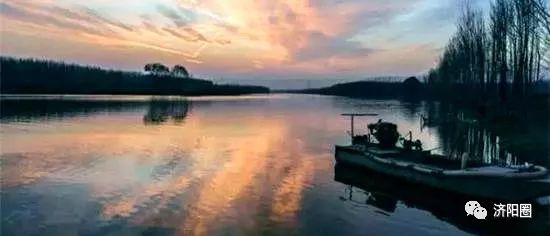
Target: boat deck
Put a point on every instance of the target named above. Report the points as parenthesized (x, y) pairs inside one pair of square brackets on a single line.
[(423, 159), (467, 177)]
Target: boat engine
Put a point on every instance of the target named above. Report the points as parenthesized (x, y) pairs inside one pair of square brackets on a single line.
[(385, 133)]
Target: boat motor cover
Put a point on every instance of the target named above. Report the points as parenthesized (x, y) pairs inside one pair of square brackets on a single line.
[(385, 133)]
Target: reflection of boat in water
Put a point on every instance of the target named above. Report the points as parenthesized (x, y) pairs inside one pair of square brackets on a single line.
[(387, 194), (414, 165), (382, 193)]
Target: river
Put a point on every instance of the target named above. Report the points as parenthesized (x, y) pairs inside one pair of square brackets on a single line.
[(259, 164)]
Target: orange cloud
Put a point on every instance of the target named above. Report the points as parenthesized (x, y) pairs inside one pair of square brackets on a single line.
[(241, 37)]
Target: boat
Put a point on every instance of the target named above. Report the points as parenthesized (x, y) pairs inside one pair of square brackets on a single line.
[(379, 193), (378, 152)]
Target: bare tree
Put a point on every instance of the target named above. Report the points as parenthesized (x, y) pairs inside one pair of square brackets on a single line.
[(513, 45), (499, 28)]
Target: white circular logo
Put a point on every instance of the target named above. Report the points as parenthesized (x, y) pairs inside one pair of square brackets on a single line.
[(480, 213), (470, 206)]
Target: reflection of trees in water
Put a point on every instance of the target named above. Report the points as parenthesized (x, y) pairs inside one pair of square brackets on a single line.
[(412, 108), (161, 111), (57, 108), (458, 135), (53, 108), (480, 144)]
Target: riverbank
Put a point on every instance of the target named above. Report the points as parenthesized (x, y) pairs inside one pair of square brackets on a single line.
[(521, 124), (28, 76), (411, 88)]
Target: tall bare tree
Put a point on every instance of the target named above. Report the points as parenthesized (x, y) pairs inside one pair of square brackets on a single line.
[(513, 46)]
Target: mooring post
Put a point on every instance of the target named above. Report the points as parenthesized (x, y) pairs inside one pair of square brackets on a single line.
[(352, 127)]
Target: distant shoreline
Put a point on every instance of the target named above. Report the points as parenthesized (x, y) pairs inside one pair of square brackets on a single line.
[(32, 95), (29, 76), (411, 88)]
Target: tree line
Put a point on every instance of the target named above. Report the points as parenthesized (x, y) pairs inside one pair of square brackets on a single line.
[(410, 89), (500, 56), (30, 76)]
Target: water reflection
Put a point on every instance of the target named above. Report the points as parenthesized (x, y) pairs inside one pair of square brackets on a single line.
[(160, 111), (101, 165), (460, 133), (33, 108), (387, 195)]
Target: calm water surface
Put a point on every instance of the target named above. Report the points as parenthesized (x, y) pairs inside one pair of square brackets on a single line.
[(123, 165)]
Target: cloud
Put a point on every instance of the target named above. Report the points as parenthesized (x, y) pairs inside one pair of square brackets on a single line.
[(195, 34), (77, 19), (150, 26), (184, 30), (297, 37), (223, 41), (322, 46), (300, 31), (171, 14), (39, 18), (186, 33), (178, 35), (82, 19), (97, 17)]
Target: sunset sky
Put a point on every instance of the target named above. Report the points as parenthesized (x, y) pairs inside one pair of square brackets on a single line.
[(255, 39)]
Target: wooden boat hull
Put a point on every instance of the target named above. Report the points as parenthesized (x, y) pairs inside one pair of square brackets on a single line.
[(520, 186)]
